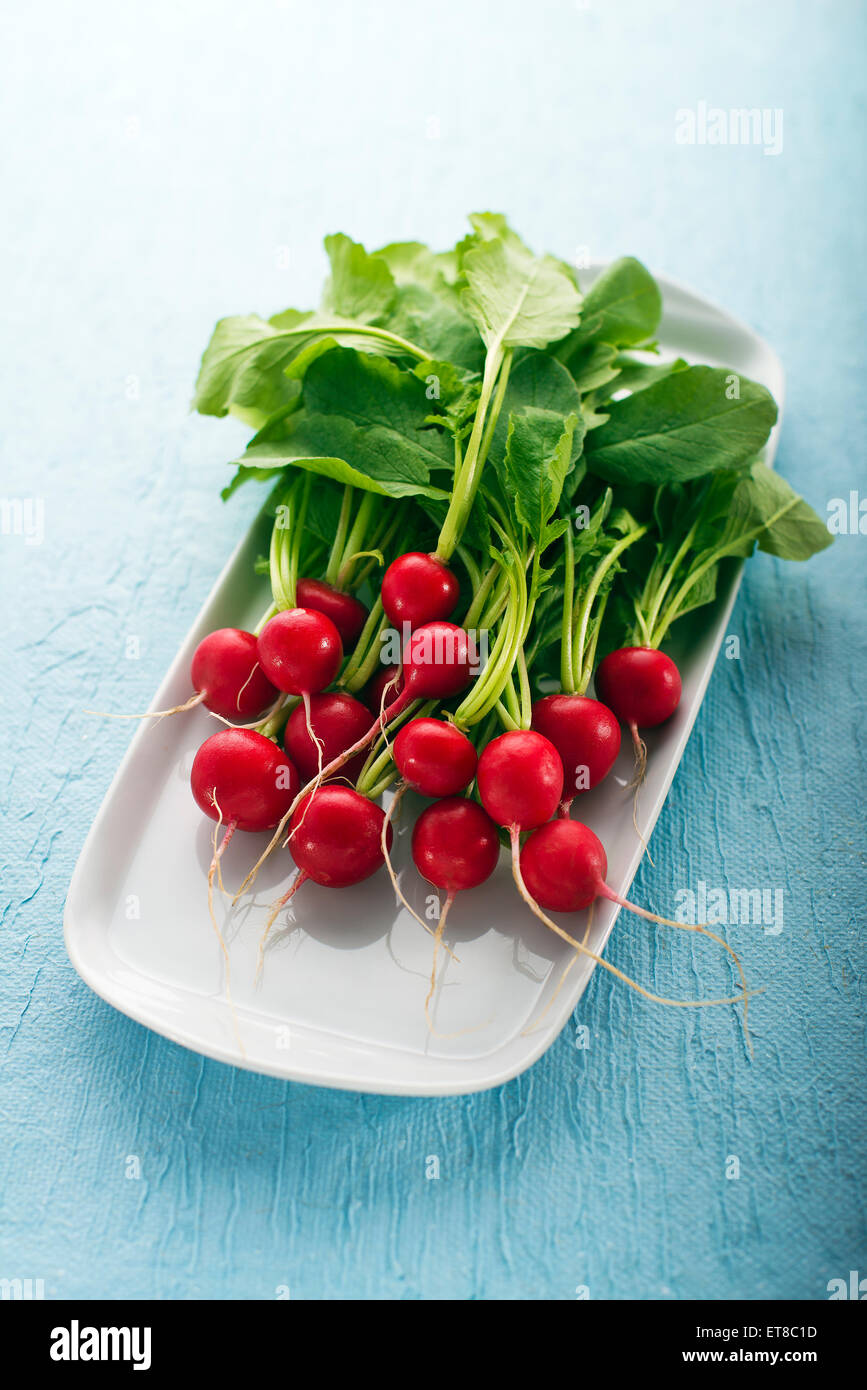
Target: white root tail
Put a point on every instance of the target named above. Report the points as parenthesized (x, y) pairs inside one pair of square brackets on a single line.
[(257, 724), (638, 776), (398, 891), (606, 965), (212, 871), (562, 980), (317, 780), (640, 769), (438, 937), (253, 671), (194, 700), (272, 917), (438, 941), (700, 927)]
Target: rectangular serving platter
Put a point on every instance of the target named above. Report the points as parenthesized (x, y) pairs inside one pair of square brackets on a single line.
[(341, 999)]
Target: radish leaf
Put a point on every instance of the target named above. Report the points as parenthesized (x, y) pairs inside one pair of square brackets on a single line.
[(364, 409), (361, 287), (538, 458), (244, 367), (682, 427), (272, 458), (242, 370), (592, 365), (518, 299), (623, 307), (790, 527), (540, 381)]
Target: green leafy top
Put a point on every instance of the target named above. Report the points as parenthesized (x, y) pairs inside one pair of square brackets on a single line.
[(623, 307), (538, 458), (364, 421), (588, 488), (517, 299), (689, 423)]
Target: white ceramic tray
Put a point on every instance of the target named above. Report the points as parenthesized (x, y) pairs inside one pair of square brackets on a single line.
[(340, 1002)]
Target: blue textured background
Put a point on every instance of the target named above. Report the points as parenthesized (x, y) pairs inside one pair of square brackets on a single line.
[(166, 164)]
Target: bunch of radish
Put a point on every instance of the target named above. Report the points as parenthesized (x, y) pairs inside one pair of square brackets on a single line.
[(482, 497)]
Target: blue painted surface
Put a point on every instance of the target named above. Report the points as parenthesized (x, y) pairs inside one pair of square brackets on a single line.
[(169, 164)]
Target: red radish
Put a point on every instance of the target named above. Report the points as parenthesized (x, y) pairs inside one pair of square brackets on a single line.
[(520, 780), (385, 687), (562, 867), (347, 613), (226, 672), (336, 840), (434, 757), (418, 588), (243, 781), (336, 721), (335, 837), (241, 778), (642, 686), (300, 651), (438, 661), (227, 678), (586, 735), (455, 846)]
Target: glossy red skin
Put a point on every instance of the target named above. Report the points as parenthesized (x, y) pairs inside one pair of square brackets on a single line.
[(338, 720), (418, 588), (640, 684), (434, 757), (390, 676), (455, 845), (585, 733), (336, 836), (246, 773), (347, 613), (300, 651), (437, 662), (225, 669), (563, 865), (520, 778)]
